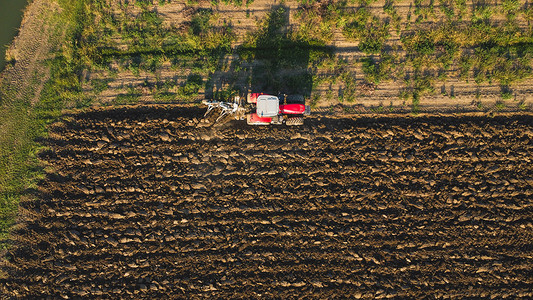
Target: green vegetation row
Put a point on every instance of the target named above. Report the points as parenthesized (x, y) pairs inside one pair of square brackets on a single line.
[(437, 40), (202, 48)]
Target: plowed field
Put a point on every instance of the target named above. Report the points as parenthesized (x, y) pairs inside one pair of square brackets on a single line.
[(140, 203)]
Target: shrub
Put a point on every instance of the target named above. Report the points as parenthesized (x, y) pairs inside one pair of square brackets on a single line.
[(377, 71), (505, 92), (371, 31), (192, 86), (200, 21)]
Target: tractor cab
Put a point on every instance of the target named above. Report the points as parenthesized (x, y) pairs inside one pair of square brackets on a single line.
[(266, 111), (271, 109), (267, 106)]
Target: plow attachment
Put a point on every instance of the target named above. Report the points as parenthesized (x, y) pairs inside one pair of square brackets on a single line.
[(224, 109)]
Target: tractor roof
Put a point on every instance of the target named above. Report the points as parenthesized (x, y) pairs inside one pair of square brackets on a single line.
[(267, 106)]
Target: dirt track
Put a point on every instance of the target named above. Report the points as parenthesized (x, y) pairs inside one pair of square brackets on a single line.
[(32, 46), (142, 204)]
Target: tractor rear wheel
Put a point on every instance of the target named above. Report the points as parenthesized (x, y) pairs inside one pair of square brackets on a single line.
[(291, 99), (294, 121)]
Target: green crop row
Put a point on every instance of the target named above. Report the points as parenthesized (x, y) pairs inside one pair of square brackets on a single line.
[(474, 42)]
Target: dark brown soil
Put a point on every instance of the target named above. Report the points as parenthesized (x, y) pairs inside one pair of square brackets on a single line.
[(140, 203)]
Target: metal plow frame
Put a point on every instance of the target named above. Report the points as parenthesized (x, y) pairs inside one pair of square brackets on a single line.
[(228, 108)]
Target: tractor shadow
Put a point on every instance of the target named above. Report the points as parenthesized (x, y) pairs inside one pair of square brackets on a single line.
[(271, 60)]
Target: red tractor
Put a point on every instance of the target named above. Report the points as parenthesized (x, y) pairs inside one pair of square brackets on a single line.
[(262, 109)]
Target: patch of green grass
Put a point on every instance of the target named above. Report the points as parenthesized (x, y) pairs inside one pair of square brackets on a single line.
[(350, 87), (522, 105), (461, 9), (390, 10), (225, 94), (500, 105), (510, 8), (165, 97), (131, 97), (379, 109), (404, 94), (23, 122), (481, 12), (297, 83), (446, 6), (100, 85)]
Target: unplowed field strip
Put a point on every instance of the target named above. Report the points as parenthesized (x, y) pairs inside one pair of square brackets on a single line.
[(140, 203)]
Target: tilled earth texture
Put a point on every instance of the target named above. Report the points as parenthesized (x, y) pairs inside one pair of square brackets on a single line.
[(139, 203)]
